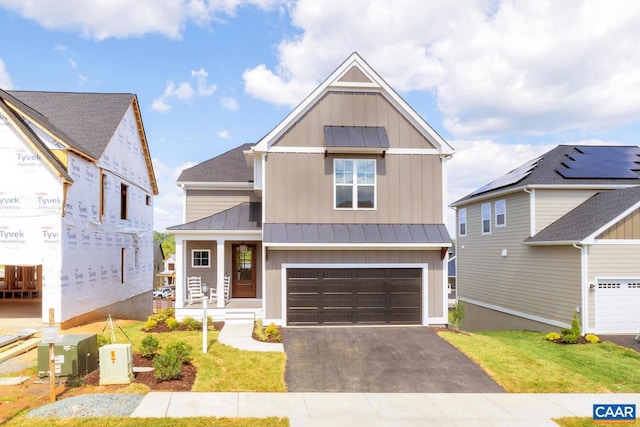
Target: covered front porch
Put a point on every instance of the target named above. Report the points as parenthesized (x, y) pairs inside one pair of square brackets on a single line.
[(219, 263)]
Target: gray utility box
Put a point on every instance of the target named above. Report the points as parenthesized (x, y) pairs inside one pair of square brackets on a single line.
[(75, 355)]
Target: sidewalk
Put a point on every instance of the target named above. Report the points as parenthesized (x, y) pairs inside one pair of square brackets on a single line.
[(382, 409)]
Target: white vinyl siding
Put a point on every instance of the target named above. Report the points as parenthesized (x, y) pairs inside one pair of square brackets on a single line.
[(486, 218), (462, 219), (501, 213)]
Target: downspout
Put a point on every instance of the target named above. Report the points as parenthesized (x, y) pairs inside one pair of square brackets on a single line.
[(532, 211), (584, 286)]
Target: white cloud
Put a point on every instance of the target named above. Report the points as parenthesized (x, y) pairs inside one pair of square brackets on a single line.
[(167, 209), (73, 64), (229, 103), (184, 92), (495, 67), (204, 89), (60, 47), (224, 134), (101, 20), (5, 79)]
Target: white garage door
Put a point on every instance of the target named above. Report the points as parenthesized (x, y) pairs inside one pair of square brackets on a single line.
[(618, 306)]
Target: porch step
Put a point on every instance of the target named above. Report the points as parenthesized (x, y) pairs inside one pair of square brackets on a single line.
[(240, 316)]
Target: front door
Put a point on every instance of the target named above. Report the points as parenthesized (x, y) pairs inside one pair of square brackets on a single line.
[(244, 268)]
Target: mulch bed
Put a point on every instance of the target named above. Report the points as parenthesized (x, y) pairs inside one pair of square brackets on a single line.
[(266, 339)]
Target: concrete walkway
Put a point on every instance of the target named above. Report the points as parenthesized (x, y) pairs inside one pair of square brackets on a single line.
[(238, 335), (382, 409)]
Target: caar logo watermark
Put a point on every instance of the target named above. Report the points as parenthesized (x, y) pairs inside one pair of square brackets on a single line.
[(607, 413)]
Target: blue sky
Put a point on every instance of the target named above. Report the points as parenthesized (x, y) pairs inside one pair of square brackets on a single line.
[(502, 81)]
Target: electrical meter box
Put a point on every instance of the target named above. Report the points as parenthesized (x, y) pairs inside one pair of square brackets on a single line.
[(116, 364), (75, 355)]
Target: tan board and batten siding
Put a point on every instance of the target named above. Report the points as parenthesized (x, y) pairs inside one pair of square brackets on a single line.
[(203, 203), (275, 260), (628, 228), (354, 75), (411, 181), (530, 277)]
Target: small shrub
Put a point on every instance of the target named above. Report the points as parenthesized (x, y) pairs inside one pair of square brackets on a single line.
[(592, 338), (569, 338), (258, 330), (191, 324), (273, 333), (102, 340), (149, 346), (552, 336), (167, 366), (181, 350), (457, 314), (575, 325), (172, 323), (150, 325)]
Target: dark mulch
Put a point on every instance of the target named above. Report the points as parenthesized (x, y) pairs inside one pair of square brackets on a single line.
[(581, 340), (185, 383), (266, 338)]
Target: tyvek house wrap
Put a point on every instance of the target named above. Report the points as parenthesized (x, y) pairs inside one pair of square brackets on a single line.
[(88, 262)]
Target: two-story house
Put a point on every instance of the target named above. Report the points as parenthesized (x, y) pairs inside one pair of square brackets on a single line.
[(76, 205), (336, 216), (559, 234)]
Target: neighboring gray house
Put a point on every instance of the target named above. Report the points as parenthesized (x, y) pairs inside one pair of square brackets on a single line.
[(558, 234), (336, 216)]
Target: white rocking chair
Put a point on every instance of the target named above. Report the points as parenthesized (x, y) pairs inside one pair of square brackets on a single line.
[(194, 289)]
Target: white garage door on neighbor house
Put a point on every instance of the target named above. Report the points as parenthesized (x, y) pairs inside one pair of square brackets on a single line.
[(617, 306)]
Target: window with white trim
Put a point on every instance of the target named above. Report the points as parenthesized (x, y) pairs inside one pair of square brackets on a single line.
[(200, 258), (501, 213), (462, 220), (486, 218), (354, 183)]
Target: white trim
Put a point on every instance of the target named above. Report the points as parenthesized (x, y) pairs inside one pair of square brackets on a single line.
[(532, 212), (616, 242), (190, 185), (369, 246), (323, 150), (466, 222), (504, 204), (517, 313), (445, 184), (211, 234), (483, 219), (359, 85), (208, 251), (423, 266), (584, 286)]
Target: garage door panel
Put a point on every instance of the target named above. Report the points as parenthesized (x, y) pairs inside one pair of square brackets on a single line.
[(348, 296), (618, 306)]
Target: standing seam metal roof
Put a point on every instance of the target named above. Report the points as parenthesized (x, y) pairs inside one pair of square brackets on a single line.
[(245, 216)]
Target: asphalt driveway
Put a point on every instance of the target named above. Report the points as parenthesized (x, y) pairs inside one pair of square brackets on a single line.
[(379, 360)]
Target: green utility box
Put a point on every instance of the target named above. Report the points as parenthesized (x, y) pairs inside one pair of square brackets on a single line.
[(75, 355)]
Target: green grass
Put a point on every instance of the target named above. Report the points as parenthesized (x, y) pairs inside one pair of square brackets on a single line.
[(586, 422), (524, 362), (149, 422), (222, 368)]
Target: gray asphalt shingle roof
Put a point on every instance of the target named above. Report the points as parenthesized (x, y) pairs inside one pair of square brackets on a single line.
[(245, 216), (87, 121), (545, 173), (588, 217), (227, 167), (356, 233)]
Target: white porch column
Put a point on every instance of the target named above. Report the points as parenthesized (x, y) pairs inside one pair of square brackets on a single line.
[(180, 259), (220, 273)]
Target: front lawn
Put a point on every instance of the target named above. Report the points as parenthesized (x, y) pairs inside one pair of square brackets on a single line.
[(221, 368), (524, 362), (149, 422)]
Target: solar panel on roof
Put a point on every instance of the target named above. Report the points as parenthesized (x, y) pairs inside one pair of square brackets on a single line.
[(510, 178), (594, 162)]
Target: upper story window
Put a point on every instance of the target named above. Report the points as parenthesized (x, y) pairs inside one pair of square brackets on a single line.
[(486, 218), (355, 183), (501, 213), (462, 220), (124, 210), (200, 258)]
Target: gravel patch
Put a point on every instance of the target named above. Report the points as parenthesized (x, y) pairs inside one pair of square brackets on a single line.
[(90, 405)]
